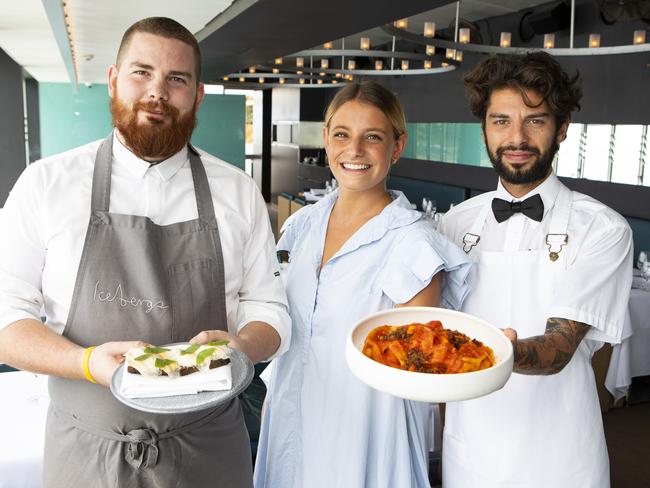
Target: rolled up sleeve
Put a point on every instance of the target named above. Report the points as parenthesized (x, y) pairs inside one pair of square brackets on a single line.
[(595, 288), (22, 252), (262, 296)]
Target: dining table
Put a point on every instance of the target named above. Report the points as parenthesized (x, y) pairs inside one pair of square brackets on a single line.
[(631, 357), (23, 410)]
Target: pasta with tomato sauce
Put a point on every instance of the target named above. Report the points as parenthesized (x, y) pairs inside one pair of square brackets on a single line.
[(427, 348)]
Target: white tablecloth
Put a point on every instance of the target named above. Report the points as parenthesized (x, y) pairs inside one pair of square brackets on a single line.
[(631, 357), (23, 409)]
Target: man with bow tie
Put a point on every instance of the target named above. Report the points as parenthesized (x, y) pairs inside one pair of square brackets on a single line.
[(553, 268)]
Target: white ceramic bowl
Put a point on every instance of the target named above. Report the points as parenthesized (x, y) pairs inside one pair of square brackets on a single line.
[(427, 387)]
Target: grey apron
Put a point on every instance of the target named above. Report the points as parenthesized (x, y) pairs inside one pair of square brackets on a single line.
[(160, 284)]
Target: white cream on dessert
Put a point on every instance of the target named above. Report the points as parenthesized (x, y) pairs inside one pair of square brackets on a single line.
[(151, 361), (183, 360), (146, 366), (219, 352)]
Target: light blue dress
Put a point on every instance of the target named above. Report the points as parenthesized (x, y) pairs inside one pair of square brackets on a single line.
[(323, 427)]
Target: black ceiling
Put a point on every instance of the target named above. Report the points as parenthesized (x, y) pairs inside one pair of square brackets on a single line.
[(252, 32)]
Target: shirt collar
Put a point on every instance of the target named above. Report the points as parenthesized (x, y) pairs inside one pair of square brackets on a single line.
[(138, 167), (396, 214), (548, 190)]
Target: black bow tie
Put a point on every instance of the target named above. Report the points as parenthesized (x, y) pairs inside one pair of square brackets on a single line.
[(532, 207)]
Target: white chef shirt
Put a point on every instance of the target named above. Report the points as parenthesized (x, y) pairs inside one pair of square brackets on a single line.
[(44, 222), (595, 286)]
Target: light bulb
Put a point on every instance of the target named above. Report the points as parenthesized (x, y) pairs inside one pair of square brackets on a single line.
[(506, 39), (429, 29), (549, 41)]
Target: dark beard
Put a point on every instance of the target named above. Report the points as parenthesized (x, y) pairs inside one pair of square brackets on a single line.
[(537, 172), (156, 140)]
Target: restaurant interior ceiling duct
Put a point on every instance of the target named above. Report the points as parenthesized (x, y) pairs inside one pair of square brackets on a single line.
[(613, 11), (544, 20)]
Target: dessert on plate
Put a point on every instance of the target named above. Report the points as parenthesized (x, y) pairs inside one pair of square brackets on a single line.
[(177, 360)]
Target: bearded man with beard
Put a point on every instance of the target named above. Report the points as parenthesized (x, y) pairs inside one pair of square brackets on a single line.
[(139, 238), (551, 266)]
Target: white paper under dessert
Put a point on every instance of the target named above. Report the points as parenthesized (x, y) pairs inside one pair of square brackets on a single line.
[(139, 386)]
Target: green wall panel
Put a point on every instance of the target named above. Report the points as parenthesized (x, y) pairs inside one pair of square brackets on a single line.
[(447, 143), (71, 119), (220, 129)]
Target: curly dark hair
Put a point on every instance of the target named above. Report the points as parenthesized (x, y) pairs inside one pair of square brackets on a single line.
[(536, 71)]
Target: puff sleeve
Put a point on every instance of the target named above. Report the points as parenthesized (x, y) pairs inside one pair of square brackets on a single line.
[(417, 258)]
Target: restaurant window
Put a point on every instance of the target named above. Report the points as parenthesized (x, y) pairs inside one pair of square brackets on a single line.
[(569, 158), (627, 154), (598, 142), (616, 153)]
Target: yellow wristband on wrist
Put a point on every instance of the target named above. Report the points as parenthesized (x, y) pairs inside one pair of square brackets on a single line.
[(84, 364)]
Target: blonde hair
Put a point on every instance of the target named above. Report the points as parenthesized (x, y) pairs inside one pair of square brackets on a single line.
[(374, 94)]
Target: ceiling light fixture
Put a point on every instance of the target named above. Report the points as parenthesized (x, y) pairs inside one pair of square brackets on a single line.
[(549, 41), (594, 40), (506, 39), (593, 48), (402, 24), (463, 35), (364, 61), (639, 37), (429, 29)]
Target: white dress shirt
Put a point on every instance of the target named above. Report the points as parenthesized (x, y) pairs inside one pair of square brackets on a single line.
[(599, 252), (44, 222)]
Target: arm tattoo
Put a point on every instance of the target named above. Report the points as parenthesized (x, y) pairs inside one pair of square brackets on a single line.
[(549, 353)]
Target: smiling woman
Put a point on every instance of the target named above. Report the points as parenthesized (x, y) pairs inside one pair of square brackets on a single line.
[(361, 147), (317, 412)]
